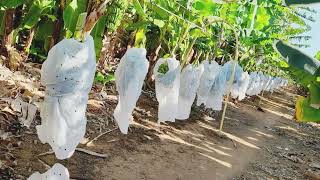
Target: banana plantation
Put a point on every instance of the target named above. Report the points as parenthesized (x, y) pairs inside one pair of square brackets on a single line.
[(159, 89)]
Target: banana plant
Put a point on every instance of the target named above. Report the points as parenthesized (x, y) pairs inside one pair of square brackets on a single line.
[(305, 71), (31, 16)]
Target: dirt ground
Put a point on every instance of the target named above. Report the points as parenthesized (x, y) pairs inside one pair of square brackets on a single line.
[(261, 141)]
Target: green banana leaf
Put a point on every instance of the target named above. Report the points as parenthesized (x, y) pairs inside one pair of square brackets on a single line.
[(2, 13), (300, 2), (298, 59), (37, 9), (306, 113), (301, 77), (97, 34), (71, 15), (314, 96), (8, 4), (44, 33), (205, 7)]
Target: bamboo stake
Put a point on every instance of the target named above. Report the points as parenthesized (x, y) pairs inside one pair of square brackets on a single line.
[(232, 75), (228, 95)]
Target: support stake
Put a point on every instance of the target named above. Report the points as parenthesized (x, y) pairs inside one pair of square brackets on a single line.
[(228, 94)]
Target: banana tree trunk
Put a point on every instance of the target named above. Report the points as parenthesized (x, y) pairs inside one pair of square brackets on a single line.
[(8, 28), (29, 40), (152, 61), (58, 25)]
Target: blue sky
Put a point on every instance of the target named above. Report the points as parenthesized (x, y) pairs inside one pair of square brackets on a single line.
[(314, 33)]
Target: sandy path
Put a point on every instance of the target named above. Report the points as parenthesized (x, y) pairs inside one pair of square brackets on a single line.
[(186, 150)]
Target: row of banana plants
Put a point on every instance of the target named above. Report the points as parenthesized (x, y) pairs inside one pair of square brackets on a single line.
[(190, 30), (34, 26)]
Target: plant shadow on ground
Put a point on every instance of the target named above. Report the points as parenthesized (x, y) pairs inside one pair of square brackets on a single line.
[(255, 144)]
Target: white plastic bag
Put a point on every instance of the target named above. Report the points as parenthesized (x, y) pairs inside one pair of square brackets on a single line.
[(217, 91), (243, 85), (211, 70), (254, 85), (189, 83), (130, 75), (167, 89), (252, 80), (228, 68), (68, 75), (57, 172), (260, 82)]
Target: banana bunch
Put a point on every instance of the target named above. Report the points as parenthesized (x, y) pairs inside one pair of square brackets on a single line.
[(115, 11)]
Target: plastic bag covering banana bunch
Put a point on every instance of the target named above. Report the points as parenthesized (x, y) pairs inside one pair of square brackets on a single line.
[(253, 84), (68, 75), (217, 90), (268, 86), (189, 83), (275, 84), (285, 82), (130, 75), (211, 71), (219, 87), (281, 82), (57, 172), (266, 81), (259, 84), (238, 78), (240, 87), (167, 89)]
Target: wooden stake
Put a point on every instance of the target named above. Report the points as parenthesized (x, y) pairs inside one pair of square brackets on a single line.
[(228, 94), (236, 58)]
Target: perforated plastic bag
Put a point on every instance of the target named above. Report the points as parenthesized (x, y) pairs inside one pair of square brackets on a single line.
[(228, 68), (68, 75), (219, 87), (239, 81), (262, 83), (243, 85), (265, 82), (167, 89), (269, 84), (251, 83), (189, 83), (211, 70), (130, 75), (217, 90), (275, 84), (57, 172), (255, 84)]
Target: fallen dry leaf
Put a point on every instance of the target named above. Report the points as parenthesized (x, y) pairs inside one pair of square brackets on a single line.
[(27, 111)]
